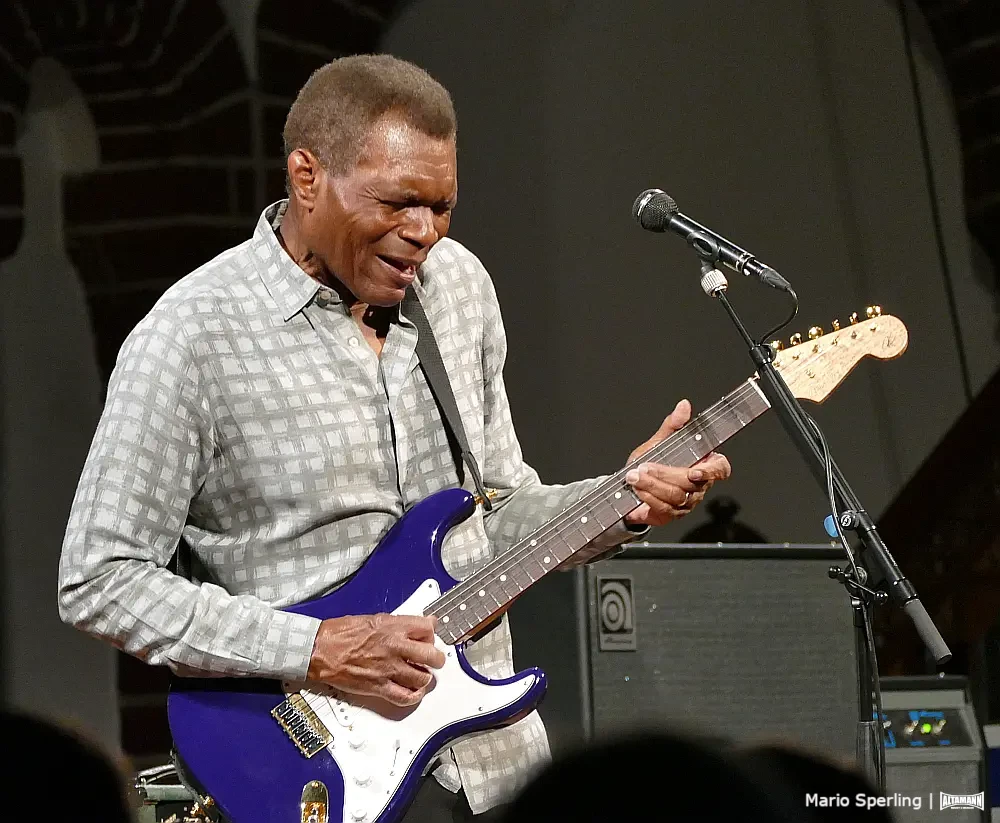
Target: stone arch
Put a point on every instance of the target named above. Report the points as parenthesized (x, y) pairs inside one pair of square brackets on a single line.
[(294, 38), (49, 407), (169, 184), (168, 92)]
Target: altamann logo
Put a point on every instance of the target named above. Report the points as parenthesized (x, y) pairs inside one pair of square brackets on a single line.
[(963, 801)]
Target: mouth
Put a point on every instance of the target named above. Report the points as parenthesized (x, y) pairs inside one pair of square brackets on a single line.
[(405, 271)]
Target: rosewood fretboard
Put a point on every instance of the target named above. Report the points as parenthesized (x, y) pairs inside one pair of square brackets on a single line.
[(490, 590)]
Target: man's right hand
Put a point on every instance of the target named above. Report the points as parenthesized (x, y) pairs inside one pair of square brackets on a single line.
[(378, 655)]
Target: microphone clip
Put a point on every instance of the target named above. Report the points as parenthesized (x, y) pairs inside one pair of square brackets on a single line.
[(713, 281)]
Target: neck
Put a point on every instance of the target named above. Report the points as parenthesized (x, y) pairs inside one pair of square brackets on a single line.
[(296, 245), (489, 591)]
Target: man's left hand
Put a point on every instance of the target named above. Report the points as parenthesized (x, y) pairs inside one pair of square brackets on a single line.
[(670, 492)]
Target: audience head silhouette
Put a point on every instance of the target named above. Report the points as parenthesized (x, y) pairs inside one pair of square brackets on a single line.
[(681, 778), (58, 774)]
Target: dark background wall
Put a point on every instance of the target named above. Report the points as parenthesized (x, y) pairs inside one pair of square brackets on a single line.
[(867, 149)]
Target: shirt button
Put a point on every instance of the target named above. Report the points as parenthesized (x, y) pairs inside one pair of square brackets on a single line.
[(353, 341), (323, 296)]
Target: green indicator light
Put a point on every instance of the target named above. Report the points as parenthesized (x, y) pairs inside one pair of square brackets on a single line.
[(925, 728)]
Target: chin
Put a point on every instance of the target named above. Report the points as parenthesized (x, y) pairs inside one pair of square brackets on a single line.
[(386, 297)]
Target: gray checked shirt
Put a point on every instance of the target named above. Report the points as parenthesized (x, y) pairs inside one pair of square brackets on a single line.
[(247, 414)]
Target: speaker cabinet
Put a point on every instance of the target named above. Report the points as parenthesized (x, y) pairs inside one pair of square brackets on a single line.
[(745, 641)]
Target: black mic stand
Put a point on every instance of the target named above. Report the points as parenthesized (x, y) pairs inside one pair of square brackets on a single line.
[(852, 515)]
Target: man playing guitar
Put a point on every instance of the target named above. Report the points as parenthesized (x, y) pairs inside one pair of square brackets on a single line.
[(270, 412)]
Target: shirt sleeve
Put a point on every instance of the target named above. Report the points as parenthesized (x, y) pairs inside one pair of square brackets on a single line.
[(147, 461), (523, 502)]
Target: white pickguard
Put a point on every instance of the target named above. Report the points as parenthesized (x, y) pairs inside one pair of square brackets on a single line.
[(375, 752)]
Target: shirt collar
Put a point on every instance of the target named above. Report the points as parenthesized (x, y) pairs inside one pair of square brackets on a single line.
[(290, 287)]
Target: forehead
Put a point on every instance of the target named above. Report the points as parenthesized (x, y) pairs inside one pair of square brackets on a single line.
[(395, 151)]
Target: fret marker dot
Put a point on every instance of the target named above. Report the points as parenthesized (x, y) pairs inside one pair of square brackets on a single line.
[(546, 559), (697, 437), (618, 495), (482, 593), (583, 519), (445, 619), (461, 608), (503, 578), (534, 542)]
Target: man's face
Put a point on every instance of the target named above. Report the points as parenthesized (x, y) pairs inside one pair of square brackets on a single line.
[(374, 226)]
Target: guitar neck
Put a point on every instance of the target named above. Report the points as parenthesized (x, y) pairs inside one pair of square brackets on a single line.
[(489, 591)]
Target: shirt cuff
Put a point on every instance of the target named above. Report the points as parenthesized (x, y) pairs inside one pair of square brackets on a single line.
[(288, 646), (621, 533)]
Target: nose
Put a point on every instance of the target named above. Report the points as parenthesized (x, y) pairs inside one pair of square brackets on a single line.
[(420, 227)]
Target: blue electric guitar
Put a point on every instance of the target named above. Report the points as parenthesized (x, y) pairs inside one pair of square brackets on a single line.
[(262, 751)]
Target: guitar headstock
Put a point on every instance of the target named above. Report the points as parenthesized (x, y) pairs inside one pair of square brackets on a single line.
[(813, 368)]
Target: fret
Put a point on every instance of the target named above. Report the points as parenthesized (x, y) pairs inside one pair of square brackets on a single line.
[(522, 578), (490, 590), (480, 613), (738, 415), (622, 500), (508, 585), (527, 566), (567, 540), (589, 526), (602, 513), (573, 546), (696, 453)]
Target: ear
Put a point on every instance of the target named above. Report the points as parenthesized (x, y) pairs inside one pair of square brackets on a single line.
[(304, 172)]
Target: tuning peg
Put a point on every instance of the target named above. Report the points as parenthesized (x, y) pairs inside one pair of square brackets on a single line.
[(873, 311), (795, 339), (776, 346), (815, 331), (835, 325), (853, 318)]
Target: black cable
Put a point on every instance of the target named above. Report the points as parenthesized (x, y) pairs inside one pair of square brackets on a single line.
[(877, 743), (780, 326), (935, 208)]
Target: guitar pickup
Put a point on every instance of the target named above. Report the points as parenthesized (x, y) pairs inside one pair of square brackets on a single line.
[(302, 726)]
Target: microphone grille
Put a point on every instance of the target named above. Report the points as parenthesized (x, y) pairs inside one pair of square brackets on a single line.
[(653, 209)]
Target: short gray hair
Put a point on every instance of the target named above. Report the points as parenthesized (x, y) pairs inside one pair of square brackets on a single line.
[(336, 108)]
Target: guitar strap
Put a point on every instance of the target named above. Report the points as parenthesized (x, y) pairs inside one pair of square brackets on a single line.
[(430, 360)]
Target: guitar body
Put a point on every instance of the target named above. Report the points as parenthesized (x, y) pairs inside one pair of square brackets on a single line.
[(237, 752)]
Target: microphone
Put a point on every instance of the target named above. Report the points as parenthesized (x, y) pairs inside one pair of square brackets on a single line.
[(655, 210)]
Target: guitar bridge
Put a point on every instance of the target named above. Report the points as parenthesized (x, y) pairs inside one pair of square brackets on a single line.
[(301, 724)]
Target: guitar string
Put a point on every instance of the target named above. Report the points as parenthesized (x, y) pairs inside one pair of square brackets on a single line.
[(711, 415), (515, 554)]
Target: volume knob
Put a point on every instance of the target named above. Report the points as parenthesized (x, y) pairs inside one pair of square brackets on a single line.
[(359, 815)]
